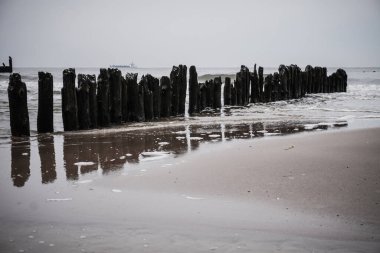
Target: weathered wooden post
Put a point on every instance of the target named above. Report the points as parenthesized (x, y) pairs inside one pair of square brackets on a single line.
[(83, 98), (243, 79), (227, 91), (69, 101), (193, 90), (166, 97), (148, 98), (124, 100), (115, 95), (255, 91), (276, 85), (268, 88), (203, 96), (182, 89), (18, 106), (342, 75), (91, 80), (283, 82), (153, 84), (233, 94), (103, 99), (141, 104), (239, 89), (217, 92), (261, 83), (210, 93), (175, 83), (133, 94), (45, 103)]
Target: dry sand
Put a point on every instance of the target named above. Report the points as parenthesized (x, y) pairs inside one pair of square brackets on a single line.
[(314, 192)]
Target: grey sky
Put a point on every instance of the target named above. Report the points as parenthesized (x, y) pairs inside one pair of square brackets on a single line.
[(204, 33)]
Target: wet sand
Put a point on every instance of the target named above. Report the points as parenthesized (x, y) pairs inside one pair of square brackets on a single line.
[(309, 192)]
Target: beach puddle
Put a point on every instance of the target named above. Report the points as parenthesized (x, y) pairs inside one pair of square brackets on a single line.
[(101, 152)]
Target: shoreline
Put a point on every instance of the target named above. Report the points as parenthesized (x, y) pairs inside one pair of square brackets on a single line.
[(219, 197)]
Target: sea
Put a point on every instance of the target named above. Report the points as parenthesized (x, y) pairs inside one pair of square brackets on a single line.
[(358, 107)]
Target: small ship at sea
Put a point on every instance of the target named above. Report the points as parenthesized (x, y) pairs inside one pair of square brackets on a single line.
[(131, 66)]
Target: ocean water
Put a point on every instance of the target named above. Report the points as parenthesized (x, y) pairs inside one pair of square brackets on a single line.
[(359, 106)]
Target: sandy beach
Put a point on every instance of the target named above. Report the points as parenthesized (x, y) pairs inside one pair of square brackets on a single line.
[(306, 192)]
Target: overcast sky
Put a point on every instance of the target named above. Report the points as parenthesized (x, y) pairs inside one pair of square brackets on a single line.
[(204, 33)]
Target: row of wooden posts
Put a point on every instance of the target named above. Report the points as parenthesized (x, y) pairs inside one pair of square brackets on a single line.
[(112, 98)]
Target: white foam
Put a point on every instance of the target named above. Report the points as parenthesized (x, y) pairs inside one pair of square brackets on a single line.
[(116, 190), (85, 181), (193, 198), (155, 153), (128, 154), (196, 138), (59, 200), (180, 138), (163, 143), (84, 163), (122, 157), (310, 126), (214, 135)]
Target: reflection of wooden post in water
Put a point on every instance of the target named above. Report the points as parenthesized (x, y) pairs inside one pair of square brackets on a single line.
[(70, 156), (20, 161), (47, 156), (88, 153), (18, 106), (110, 148)]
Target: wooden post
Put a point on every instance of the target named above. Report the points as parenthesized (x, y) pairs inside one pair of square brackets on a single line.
[(103, 99), (203, 96), (153, 84), (133, 94), (255, 91), (227, 91), (83, 98), (182, 89), (175, 83), (193, 90), (210, 93), (91, 80), (261, 83), (124, 100), (45, 103), (69, 101), (342, 75), (115, 95), (18, 106), (148, 98), (239, 88), (276, 85), (166, 97), (141, 104), (217, 92), (283, 82), (268, 88), (233, 94)]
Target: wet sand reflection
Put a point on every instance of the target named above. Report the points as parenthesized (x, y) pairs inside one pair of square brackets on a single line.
[(47, 156), (20, 161), (106, 152)]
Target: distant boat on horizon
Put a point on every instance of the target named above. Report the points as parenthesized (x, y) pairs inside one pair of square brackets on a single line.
[(131, 66)]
